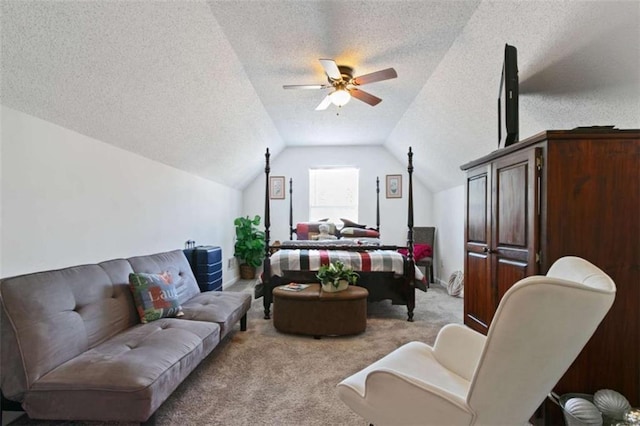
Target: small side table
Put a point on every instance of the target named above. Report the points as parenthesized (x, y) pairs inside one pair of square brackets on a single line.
[(315, 313)]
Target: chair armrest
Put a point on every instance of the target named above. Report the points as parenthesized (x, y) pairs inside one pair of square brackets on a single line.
[(392, 397), (458, 348)]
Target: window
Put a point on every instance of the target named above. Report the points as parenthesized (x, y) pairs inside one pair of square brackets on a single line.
[(333, 193)]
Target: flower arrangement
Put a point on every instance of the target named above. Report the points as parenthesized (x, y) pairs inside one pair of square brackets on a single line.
[(335, 272)]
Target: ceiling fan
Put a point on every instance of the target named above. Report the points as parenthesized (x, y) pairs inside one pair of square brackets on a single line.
[(345, 85)]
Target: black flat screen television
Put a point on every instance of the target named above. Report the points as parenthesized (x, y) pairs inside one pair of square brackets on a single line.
[(508, 99)]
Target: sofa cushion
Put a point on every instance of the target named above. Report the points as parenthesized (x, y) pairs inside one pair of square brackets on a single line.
[(155, 296), (51, 317), (223, 308), (135, 371)]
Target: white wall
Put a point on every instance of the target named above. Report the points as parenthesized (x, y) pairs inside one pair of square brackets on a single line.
[(294, 162), (68, 199), (449, 219)]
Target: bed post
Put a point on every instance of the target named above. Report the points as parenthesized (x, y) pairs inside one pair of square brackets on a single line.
[(411, 296), (290, 209), (266, 273), (377, 204)]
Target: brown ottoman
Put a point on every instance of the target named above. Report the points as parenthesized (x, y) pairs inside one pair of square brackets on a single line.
[(316, 313)]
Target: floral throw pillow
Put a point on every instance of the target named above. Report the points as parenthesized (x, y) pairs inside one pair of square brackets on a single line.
[(155, 296)]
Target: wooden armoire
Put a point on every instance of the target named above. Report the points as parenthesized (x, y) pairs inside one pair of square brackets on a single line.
[(559, 193)]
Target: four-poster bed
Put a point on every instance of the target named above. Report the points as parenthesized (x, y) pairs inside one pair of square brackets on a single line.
[(384, 272)]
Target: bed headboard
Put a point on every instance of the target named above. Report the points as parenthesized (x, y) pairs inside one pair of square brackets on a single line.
[(293, 230)]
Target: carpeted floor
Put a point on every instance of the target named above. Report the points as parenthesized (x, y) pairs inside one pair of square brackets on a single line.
[(263, 377)]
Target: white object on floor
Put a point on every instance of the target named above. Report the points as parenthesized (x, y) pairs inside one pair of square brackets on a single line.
[(455, 287)]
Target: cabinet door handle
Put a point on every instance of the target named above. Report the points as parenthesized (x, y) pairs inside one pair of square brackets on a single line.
[(486, 249)]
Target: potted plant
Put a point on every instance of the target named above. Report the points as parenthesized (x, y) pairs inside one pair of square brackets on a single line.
[(249, 246), (336, 276)]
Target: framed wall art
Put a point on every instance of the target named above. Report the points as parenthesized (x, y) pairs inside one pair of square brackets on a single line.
[(394, 186), (276, 187)]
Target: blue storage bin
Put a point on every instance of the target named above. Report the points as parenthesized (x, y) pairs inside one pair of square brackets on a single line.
[(208, 254), (206, 264)]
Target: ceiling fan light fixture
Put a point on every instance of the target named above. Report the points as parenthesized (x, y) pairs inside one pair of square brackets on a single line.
[(345, 86), (340, 97)]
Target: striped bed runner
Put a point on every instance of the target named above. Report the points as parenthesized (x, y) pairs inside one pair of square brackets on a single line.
[(365, 261)]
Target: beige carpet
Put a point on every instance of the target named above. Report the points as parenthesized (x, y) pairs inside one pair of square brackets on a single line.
[(263, 377)]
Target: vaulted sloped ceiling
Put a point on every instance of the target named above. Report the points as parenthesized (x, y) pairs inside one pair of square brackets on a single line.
[(156, 78), (198, 85)]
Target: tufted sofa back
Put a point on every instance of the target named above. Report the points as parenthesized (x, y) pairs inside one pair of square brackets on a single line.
[(174, 262), (51, 317)]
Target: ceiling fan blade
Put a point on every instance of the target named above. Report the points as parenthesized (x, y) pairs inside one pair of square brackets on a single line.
[(387, 74), (365, 97), (324, 104), (306, 86), (331, 69)]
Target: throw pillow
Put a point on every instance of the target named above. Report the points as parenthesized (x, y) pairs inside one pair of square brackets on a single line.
[(420, 251), (155, 296), (350, 224), (359, 232), (310, 230), (324, 233)]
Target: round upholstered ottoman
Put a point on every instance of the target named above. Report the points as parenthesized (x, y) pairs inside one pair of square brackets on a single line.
[(316, 313)]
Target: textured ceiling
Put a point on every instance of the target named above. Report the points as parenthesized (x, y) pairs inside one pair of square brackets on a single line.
[(282, 44), (198, 85)]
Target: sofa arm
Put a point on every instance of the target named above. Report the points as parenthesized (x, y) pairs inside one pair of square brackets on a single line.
[(458, 348)]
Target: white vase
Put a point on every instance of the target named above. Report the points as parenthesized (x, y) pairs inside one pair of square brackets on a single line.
[(329, 288)]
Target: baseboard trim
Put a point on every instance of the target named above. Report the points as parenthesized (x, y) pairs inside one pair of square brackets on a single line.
[(229, 283), (440, 282)]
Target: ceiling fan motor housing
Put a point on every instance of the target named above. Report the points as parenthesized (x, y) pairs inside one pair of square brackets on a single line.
[(346, 73)]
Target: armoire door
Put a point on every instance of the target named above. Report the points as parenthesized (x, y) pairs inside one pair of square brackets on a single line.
[(515, 218), (479, 300)]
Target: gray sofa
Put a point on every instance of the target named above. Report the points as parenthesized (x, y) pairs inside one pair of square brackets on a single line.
[(73, 347)]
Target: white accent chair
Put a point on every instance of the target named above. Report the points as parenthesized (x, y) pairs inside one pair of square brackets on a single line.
[(541, 325)]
